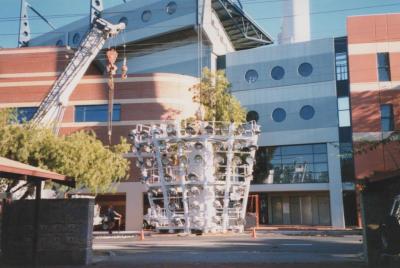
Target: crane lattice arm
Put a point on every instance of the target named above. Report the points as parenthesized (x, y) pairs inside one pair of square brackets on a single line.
[(51, 109)]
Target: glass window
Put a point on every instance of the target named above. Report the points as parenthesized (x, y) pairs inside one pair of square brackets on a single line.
[(277, 73), (279, 115), (252, 116), (344, 119), (96, 113), (387, 118), (292, 164), (341, 66), (296, 149), (319, 148), (251, 76), (171, 7), (25, 114), (343, 103), (346, 160), (383, 66), (307, 112), (320, 158), (146, 15), (123, 20), (305, 69), (76, 38), (344, 112)]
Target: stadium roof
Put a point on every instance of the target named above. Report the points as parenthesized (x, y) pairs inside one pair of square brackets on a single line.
[(241, 29)]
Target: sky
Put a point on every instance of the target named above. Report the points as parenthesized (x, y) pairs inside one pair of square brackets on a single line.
[(328, 17)]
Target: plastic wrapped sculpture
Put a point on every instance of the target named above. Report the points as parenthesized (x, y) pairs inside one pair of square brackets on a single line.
[(197, 174)]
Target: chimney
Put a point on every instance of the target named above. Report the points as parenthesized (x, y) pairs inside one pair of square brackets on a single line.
[(296, 22)]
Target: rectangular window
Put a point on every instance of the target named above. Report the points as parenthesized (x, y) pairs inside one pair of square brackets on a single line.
[(383, 67), (25, 114), (341, 66), (344, 112), (387, 118), (292, 164), (96, 113)]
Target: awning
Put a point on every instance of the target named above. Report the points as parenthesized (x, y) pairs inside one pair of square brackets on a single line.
[(241, 29), (15, 170)]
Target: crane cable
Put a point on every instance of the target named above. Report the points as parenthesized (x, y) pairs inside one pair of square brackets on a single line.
[(112, 56)]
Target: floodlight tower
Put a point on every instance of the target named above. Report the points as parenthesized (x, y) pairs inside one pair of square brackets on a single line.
[(296, 22), (197, 174)]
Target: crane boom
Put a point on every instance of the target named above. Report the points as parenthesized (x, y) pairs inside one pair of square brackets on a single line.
[(51, 109)]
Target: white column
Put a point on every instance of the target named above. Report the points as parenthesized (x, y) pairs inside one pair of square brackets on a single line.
[(335, 187), (134, 204)]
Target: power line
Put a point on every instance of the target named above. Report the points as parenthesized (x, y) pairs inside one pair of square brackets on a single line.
[(63, 16)]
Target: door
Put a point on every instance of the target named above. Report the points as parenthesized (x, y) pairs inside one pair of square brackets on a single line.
[(277, 207)]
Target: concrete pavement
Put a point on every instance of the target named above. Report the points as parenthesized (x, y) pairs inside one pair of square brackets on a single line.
[(229, 251)]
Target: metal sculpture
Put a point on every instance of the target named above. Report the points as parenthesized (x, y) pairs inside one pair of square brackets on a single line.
[(197, 174)]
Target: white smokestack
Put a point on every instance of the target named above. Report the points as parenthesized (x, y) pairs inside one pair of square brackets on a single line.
[(296, 22)]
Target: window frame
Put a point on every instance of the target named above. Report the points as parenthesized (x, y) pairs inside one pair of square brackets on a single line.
[(344, 111), (302, 72), (30, 111), (103, 108), (247, 76), (383, 64), (277, 76), (341, 66), (303, 111), (389, 117), (292, 164), (277, 110)]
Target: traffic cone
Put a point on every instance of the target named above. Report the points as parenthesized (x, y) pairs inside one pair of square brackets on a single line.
[(253, 233), (142, 235)]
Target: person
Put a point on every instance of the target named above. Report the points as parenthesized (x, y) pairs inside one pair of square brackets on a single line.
[(112, 215)]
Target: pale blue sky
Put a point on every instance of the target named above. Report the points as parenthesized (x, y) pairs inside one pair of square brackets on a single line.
[(328, 17)]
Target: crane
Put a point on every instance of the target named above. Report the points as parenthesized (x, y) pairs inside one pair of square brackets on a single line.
[(51, 109)]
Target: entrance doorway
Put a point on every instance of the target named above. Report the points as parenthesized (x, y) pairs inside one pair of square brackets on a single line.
[(291, 208)]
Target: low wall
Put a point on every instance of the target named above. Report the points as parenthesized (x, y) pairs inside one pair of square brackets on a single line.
[(64, 232)]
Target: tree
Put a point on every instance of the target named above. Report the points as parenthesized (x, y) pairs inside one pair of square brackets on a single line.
[(80, 155), (213, 93)]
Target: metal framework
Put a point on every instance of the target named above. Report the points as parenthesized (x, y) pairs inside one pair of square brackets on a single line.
[(197, 174), (24, 29), (241, 29)]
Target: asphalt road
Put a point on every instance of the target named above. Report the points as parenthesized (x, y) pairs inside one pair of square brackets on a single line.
[(267, 250)]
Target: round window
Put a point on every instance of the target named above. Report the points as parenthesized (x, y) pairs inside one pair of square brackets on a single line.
[(277, 73), (59, 43), (278, 115), (171, 7), (146, 15), (123, 20), (251, 76), (305, 69), (307, 112), (252, 116), (76, 38)]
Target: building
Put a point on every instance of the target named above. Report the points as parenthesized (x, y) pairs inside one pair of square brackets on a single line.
[(167, 43), (374, 53), (294, 92), (328, 108)]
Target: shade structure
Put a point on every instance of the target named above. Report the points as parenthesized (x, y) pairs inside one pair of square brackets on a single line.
[(15, 170)]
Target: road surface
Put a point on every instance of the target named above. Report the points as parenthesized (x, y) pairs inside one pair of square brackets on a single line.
[(267, 250)]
